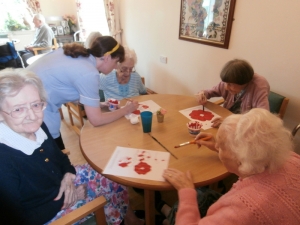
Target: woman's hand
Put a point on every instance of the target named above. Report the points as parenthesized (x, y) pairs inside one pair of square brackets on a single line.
[(103, 104), (178, 179), (131, 106), (81, 192), (210, 143), (67, 187), (216, 122), (201, 98)]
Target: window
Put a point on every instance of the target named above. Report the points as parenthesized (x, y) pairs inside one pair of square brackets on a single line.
[(15, 15), (92, 19)]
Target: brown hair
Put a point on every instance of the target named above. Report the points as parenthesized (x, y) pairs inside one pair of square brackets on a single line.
[(237, 71), (100, 46)]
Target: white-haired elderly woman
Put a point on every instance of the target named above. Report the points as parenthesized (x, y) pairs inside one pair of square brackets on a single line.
[(38, 182), (258, 149), (123, 82)]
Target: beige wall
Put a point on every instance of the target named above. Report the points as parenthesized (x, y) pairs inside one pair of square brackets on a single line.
[(54, 8), (264, 32)]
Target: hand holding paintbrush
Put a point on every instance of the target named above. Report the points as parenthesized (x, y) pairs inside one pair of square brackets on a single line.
[(192, 142), (201, 98)]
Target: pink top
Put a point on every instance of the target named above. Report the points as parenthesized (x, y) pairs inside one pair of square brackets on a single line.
[(260, 199), (256, 94)]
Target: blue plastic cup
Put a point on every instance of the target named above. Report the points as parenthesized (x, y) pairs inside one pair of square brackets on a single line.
[(146, 118)]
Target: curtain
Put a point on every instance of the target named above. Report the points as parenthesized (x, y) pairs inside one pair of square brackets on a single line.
[(82, 34), (34, 6), (113, 19)]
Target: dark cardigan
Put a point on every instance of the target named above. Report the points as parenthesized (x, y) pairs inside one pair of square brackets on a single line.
[(29, 183)]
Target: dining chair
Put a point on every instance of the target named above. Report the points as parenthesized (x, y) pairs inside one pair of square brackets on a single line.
[(76, 110), (296, 128), (96, 206), (278, 103), (149, 91), (53, 47)]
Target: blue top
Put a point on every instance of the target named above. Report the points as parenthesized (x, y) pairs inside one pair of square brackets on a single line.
[(29, 183), (66, 79), (112, 89)]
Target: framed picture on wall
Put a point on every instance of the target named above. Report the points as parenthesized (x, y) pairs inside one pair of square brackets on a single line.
[(54, 29), (60, 30), (207, 22)]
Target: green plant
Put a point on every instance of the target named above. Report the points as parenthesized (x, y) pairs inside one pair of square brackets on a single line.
[(13, 25)]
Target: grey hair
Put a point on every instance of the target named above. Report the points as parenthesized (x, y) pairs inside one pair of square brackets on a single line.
[(130, 54), (258, 140), (91, 38), (13, 80), (40, 17)]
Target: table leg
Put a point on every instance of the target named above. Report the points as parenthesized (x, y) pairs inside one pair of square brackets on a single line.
[(149, 206)]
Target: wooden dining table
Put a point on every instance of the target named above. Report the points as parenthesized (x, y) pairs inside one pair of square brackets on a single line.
[(99, 143)]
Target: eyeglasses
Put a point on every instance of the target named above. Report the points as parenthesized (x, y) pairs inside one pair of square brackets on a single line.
[(128, 70), (21, 112)]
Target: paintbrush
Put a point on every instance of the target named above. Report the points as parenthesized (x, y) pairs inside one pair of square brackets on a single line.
[(129, 99), (191, 142), (202, 105)]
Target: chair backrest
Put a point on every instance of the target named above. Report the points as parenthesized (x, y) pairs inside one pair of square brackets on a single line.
[(76, 110), (296, 128), (53, 47), (278, 103), (101, 95), (96, 206)]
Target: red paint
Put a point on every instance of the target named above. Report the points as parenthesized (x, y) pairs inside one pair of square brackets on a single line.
[(124, 164), (137, 112), (201, 115), (142, 168), (113, 101), (194, 125), (145, 106)]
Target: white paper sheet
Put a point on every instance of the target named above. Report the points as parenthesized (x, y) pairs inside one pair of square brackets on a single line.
[(152, 106), (137, 163), (206, 124)]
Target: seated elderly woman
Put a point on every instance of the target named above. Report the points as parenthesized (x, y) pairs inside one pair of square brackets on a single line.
[(38, 182), (123, 82), (241, 88), (256, 147)]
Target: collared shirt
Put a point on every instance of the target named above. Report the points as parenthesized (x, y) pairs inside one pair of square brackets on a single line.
[(19, 142)]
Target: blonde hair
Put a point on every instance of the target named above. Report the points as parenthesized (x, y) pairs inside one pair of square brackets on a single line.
[(258, 140), (13, 80)]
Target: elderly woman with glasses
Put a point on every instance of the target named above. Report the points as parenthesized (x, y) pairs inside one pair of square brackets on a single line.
[(38, 182), (72, 74), (123, 82), (259, 150)]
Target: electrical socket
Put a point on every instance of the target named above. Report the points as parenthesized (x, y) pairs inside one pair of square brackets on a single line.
[(163, 59)]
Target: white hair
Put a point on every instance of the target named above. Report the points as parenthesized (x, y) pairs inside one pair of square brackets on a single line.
[(13, 80), (258, 140), (40, 17), (91, 38), (130, 54)]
